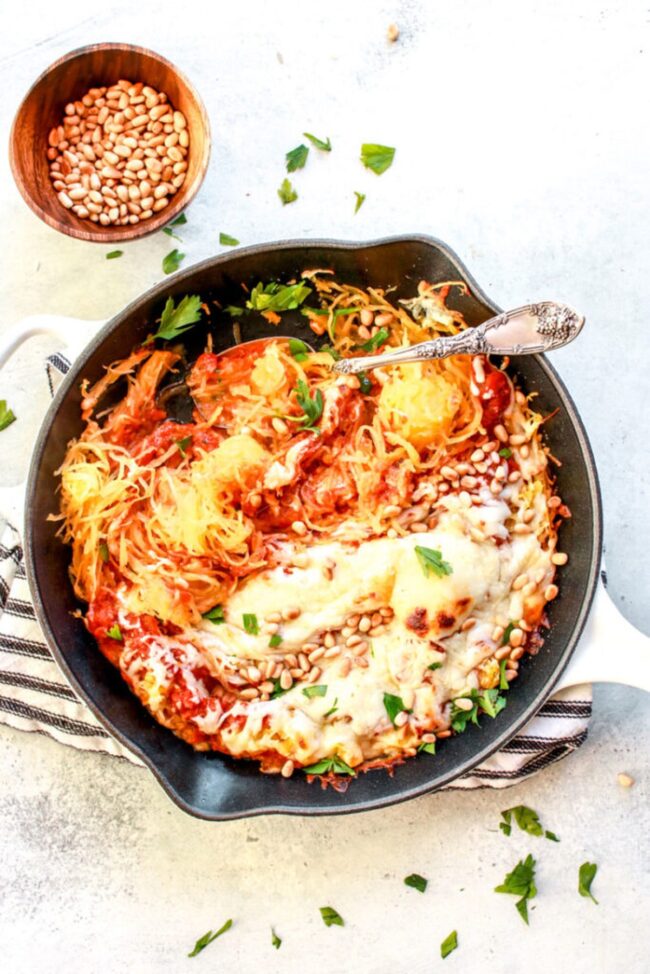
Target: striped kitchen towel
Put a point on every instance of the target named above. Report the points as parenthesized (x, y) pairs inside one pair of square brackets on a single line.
[(35, 696)]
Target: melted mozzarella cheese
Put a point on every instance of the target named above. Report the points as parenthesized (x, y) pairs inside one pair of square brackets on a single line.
[(350, 719)]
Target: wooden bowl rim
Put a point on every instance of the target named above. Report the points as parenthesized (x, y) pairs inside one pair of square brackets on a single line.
[(130, 232)]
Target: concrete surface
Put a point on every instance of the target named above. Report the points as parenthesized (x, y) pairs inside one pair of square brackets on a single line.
[(521, 140)]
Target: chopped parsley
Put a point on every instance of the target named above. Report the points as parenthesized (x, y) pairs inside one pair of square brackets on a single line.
[(115, 633), (365, 384), (432, 561), (251, 625), (278, 690), (434, 666), (528, 821), (275, 640), (503, 683), (113, 254), (215, 614), (376, 341), (335, 765), (505, 639), (287, 193), (427, 748), (379, 158), (487, 701), (360, 201), (505, 452), (330, 351), (325, 146), (449, 943), (299, 349), (104, 553), (333, 708), (521, 882), (394, 705), (176, 319), (172, 261), (275, 940), (312, 406), (331, 917), (183, 445), (178, 222), (416, 882), (297, 158), (208, 937), (227, 241), (277, 297), (586, 876), (234, 311), (315, 691), (6, 415)]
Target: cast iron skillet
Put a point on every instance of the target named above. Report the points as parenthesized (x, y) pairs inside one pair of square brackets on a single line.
[(216, 787)]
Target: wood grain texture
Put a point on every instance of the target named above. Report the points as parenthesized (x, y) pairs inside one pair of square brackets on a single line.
[(69, 79)]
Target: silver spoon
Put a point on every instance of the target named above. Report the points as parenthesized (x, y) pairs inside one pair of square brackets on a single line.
[(530, 330)]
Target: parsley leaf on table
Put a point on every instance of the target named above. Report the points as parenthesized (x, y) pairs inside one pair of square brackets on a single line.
[(361, 198), (227, 241), (296, 158), (6, 415), (172, 261), (331, 917), (528, 821), (207, 938), (113, 254), (449, 943), (275, 940), (178, 222), (586, 876), (521, 882), (287, 193), (379, 158), (417, 882), (325, 146)]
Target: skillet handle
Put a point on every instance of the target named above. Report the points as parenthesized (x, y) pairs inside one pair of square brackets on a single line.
[(610, 650), (74, 334)]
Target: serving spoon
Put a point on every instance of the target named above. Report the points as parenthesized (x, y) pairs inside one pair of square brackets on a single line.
[(528, 330)]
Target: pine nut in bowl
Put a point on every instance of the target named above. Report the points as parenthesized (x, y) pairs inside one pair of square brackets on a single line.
[(110, 143)]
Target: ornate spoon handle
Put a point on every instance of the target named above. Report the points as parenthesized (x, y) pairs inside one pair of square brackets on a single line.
[(529, 330)]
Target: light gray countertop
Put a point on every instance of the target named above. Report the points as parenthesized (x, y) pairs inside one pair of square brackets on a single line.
[(522, 141)]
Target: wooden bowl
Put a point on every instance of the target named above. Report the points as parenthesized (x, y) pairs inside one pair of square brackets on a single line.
[(68, 79)]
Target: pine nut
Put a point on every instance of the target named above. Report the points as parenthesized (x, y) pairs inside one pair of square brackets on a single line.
[(401, 719), (65, 200), (501, 433), (516, 637), (287, 769), (559, 558), (286, 680), (550, 592), (463, 703)]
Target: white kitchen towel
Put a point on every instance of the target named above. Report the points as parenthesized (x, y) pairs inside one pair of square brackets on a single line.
[(35, 696)]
